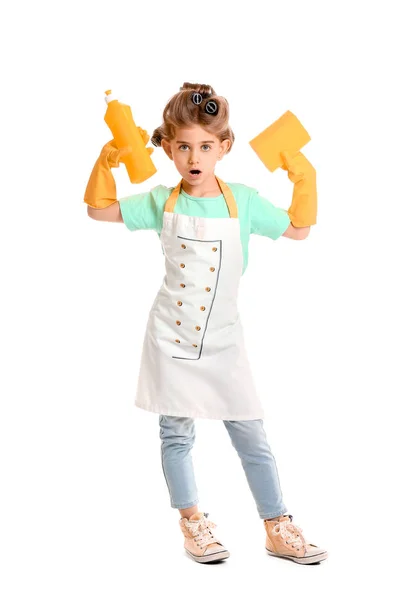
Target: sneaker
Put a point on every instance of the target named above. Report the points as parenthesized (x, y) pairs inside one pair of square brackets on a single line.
[(284, 539), (200, 544)]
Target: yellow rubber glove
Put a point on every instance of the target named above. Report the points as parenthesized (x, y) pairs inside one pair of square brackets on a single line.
[(101, 189), (302, 211)]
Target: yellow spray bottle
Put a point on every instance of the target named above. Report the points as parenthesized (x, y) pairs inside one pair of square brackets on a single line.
[(120, 121)]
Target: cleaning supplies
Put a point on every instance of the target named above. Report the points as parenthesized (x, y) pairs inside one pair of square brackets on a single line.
[(279, 146), (120, 121), (303, 208), (287, 134), (101, 189)]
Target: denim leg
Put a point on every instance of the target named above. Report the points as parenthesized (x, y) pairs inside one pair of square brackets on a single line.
[(178, 435), (250, 442)]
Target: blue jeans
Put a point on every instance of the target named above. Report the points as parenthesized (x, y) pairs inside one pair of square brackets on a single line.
[(249, 440)]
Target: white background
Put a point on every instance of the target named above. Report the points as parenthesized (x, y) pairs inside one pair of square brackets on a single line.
[(85, 511)]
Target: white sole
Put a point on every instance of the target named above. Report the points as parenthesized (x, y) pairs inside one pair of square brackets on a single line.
[(210, 557), (306, 560)]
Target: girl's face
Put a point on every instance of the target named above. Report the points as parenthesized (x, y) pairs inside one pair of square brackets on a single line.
[(193, 148)]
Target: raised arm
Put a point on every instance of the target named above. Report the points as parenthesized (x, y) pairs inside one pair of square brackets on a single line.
[(100, 192), (303, 209), (111, 213), (296, 233)]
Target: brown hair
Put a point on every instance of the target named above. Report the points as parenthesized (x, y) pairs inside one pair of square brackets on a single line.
[(181, 111)]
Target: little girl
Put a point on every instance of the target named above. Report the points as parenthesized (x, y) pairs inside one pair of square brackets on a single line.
[(194, 362)]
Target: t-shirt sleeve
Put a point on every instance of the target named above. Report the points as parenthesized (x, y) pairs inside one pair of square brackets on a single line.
[(266, 218), (140, 211)]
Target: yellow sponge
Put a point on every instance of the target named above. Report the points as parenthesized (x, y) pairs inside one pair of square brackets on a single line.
[(286, 134)]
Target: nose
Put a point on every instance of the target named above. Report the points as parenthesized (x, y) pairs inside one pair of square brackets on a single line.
[(193, 158)]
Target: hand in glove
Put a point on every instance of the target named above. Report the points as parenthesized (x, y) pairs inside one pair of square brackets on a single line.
[(302, 211), (101, 189)]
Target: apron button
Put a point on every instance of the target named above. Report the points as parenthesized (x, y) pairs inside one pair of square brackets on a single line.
[(198, 328), (208, 289), (178, 341), (214, 249), (182, 265), (183, 246), (195, 345), (178, 322), (179, 303), (212, 268), (182, 284), (202, 308)]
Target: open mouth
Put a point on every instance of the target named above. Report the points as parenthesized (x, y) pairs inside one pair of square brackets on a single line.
[(195, 172)]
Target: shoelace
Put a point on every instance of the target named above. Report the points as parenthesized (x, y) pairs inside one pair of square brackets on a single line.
[(291, 533), (201, 531)]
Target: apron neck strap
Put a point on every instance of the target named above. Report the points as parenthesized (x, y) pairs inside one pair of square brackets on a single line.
[(226, 191)]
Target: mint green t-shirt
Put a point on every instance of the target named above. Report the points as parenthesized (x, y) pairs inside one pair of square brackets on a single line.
[(255, 213)]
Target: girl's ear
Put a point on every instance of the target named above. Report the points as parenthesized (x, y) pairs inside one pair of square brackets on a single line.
[(167, 148), (225, 145)]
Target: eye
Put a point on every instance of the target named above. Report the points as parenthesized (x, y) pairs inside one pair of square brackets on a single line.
[(203, 146)]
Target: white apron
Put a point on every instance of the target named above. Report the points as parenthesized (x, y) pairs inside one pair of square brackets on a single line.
[(193, 361)]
